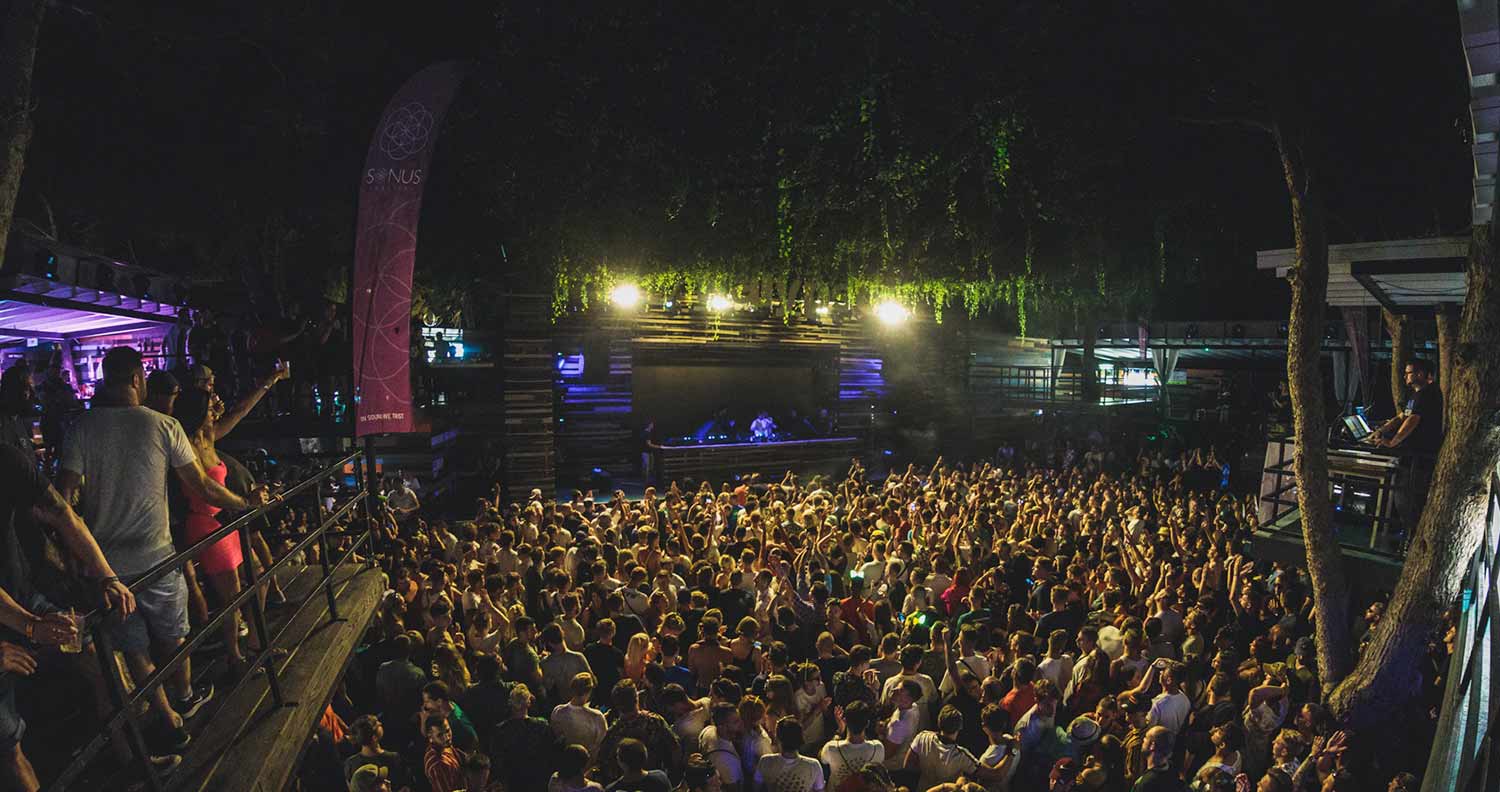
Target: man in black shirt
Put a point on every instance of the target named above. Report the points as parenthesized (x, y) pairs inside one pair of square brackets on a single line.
[(1418, 427), (1417, 433)]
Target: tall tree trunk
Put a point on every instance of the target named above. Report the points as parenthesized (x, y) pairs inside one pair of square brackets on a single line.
[(1447, 334), (1089, 383), (1399, 328), (1387, 678), (18, 37), (1304, 353)]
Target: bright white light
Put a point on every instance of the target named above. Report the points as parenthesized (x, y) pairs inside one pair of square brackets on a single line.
[(719, 303), (821, 310), (458, 351), (891, 312), (626, 295)]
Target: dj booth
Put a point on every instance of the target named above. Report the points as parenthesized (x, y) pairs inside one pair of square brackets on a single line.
[(1362, 483), (770, 458)]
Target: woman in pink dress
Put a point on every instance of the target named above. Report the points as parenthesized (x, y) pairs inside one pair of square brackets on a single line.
[(221, 562)]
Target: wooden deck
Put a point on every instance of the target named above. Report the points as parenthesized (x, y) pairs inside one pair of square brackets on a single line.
[(248, 744)]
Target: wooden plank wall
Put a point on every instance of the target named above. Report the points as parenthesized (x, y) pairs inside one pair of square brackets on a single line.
[(528, 395)]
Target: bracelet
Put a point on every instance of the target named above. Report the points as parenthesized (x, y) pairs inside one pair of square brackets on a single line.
[(31, 628)]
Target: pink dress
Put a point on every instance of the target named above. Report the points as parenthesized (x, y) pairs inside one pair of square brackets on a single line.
[(224, 555)]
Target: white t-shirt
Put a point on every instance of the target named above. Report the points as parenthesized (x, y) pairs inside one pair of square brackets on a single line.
[(780, 773), (845, 758), (940, 762), (813, 727), (579, 725), (125, 455), (1170, 710), (900, 729), (977, 664), (929, 693), (724, 756)]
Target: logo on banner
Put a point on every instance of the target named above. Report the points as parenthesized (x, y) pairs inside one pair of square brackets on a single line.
[(406, 131)]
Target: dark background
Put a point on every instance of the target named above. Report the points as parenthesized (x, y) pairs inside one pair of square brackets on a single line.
[(223, 141)]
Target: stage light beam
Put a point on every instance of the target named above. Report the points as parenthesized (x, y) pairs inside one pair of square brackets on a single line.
[(626, 295), (891, 312), (718, 303)]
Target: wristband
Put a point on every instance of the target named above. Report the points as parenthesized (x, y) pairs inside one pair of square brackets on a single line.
[(31, 628)]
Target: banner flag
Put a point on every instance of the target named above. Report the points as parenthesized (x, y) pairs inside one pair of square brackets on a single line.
[(385, 247)]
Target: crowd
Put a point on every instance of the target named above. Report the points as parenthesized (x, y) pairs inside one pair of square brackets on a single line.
[(1084, 620)]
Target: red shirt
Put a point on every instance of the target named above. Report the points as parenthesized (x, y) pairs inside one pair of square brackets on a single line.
[(444, 769), (1018, 701)]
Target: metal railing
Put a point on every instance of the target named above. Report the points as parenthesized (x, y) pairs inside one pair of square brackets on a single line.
[(1042, 384), (1464, 752), (127, 705), (1381, 484)]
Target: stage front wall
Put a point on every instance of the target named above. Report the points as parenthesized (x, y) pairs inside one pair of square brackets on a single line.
[(682, 398)]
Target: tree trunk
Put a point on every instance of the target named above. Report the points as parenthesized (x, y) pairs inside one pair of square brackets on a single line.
[(1089, 383), (1452, 525), (23, 24), (1447, 334), (1304, 353), (1399, 328)]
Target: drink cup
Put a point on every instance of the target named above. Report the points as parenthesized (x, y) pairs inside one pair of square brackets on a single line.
[(75, 644)]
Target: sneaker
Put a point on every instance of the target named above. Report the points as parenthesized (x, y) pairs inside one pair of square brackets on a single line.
[(168, 739), (189, 705)]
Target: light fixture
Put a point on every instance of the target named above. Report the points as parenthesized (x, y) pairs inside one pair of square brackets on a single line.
[(626, 295), (891, 312), (718, 303)]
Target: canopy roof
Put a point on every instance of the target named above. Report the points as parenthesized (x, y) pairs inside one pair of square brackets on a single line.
[(32, 307), (1406, 275)]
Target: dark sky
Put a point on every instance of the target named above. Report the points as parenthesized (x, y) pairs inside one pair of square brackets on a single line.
[(198, 140)]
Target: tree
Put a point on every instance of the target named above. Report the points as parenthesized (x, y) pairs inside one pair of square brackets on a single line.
[(18, 41), (1452, 523), (1297, 144), (1447, 337), (1398, 326)]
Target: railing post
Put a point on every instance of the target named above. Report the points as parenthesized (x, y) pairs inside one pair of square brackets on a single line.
[(323, 526), (105, 650), (267, 659)]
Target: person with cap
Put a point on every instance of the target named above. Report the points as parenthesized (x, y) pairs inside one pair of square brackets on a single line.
[(366, 732), (370, 778)]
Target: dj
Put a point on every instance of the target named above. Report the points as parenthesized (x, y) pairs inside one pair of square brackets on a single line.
[(1416, 432), (763, 428), (1418, 427)]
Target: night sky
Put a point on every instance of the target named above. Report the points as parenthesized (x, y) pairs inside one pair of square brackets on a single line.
[(224, 140)]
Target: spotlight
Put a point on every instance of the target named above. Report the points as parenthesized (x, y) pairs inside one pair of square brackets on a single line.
[(821, 310), (718, 303), (626, 295), (891, 312)]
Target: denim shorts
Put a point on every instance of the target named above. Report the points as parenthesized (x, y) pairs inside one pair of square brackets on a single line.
[(160, 615)]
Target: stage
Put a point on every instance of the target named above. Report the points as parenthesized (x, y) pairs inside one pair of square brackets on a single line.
[(720, 460)]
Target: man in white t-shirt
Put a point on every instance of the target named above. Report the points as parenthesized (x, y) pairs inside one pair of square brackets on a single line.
[(845, 757), (120, 455), (911, 660), (1171, 707), (719, 745), (788, 771), (902, 727), (575, 722), (938, 758)]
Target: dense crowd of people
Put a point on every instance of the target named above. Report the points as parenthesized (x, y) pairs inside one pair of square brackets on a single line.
[(1080, 618), (1086, 620)]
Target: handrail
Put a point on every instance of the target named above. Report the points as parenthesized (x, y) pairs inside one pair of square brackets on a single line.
[(126, 705), (1458, 758), (177, 561)]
